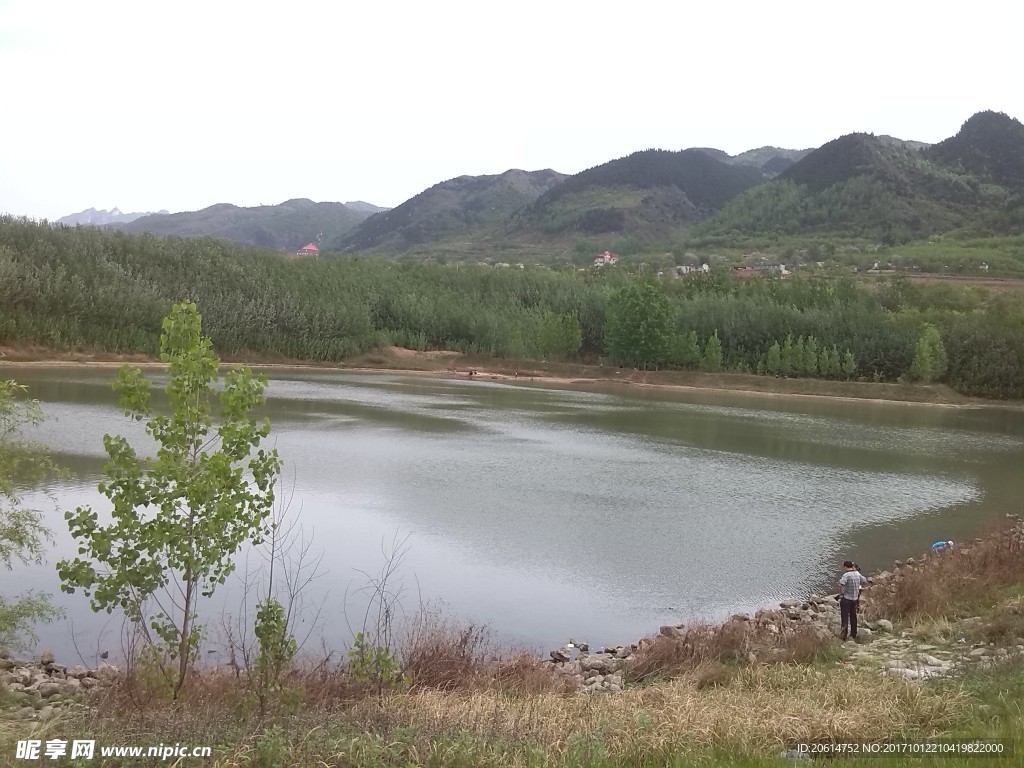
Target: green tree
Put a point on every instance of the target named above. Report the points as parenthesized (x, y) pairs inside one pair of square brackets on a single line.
[(22, 533), (828, 362), (929, 363), (178, 518), (559, 336), (640, 326), (773, 363), (848, 366), (686, 350), (810, 362), (712, 359), (787, 357)]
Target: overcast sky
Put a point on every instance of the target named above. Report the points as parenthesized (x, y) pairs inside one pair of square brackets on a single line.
[(146, 104)]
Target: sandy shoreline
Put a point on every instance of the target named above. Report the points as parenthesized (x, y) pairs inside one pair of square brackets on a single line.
[(396, 361)]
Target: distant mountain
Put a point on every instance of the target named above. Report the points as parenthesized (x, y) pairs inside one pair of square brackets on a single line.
[(467, 207), (92, 217), (771, 161), (651, 194), (289, 225), (877, 187), (363, 207), (989, 145)]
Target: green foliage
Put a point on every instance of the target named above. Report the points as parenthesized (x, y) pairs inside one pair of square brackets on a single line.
[(640, 326), (177, 519), (560, 336), (773, 363), (22, 533), (848, 365), (277, 646), (686, 350), (375, 665), (85, 288), (711, 361), (930, 361)]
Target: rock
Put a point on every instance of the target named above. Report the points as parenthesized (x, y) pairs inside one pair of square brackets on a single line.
[(584, 647), (46, 658), (78, 671), (46, 713), (89, 682), (107, 672), (977, 653), (884, 625), (557, 656), (669, 631), (740, 617), (624, 653), (931, 661), (1002, 652), (895, 664), (46, 690), (791, 603)]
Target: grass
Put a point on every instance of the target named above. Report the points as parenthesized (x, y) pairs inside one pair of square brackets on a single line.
[(693, 698)]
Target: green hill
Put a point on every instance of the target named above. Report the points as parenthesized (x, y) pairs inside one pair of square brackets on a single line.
[(882, 189), (990, 145), (652, 194), (287, 226), (464, 208)]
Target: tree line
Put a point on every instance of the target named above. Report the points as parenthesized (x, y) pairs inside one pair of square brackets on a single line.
[(87, 288)]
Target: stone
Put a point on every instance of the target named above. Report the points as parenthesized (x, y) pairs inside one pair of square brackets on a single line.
[(931, 661), (791, 603), (669, 631), (107, 672), (78, 671), (46, 713), (909, 674), (46, 690), (884, 625), (895, 664), (977, 653), (559, 656), (46, 658), (740, 617)]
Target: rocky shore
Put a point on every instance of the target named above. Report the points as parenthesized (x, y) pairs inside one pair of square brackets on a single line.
[(37, 690), (881, 647)]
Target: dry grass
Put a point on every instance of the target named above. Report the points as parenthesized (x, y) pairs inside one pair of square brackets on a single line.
[(760, 708), (703, 647), (968, 574)]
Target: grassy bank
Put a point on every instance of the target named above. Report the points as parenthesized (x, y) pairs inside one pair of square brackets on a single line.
[(690, 698)]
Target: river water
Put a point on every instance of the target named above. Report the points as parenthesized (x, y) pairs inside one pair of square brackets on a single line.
[(549, 513)]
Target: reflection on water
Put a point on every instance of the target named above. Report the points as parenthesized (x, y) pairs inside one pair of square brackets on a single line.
[(594, 514)]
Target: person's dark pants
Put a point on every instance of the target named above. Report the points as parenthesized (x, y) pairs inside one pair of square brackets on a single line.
[(848, 616)]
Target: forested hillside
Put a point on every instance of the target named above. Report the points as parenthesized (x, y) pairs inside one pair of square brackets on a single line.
[(86, 288), (652, 194), (465, 207), (287, 226), (876, 189)]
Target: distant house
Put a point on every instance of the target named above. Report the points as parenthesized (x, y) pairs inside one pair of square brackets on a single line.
[(309, 249), (605, 258), (690, 269)]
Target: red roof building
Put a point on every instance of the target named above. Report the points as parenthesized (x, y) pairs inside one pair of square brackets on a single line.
[(309, 249)]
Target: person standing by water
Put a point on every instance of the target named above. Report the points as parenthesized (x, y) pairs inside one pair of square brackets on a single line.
[(850, 585)]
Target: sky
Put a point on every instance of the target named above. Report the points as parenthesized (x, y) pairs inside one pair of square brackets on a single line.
[(180, 105)]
